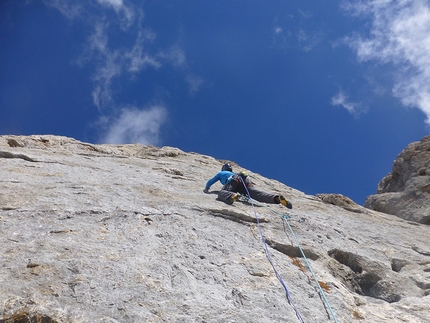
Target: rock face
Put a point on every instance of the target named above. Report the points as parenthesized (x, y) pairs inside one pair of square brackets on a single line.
[(405, 192), (103, 233)]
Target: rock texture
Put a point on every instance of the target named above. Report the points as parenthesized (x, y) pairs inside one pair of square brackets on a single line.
[(102, 233), (405, 192)]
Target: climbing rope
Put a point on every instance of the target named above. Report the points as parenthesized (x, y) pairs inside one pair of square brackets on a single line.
[(266, 249), (285, 220), (310, 270)]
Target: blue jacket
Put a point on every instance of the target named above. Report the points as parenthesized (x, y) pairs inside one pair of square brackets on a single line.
[(222, 176)]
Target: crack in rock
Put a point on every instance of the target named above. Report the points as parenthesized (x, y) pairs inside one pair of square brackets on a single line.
[(421, 251), (234, 216), (6, 154), (24, 317), (292, 251)]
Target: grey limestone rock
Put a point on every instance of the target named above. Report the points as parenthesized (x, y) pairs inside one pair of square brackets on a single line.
[(405, 192), (125, 233)]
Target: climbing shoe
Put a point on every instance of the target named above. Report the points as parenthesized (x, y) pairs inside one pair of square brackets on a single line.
[(233, 198), (285, 202)]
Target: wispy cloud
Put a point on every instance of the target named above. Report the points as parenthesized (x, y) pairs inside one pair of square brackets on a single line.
[(308, 41), (278, 37), (70, 10), (195, 82), (176, 56), (400, 35), (341, 99), (125, 12), (113, 60), (112, 63), (134, 125), (291, 33), (137, 59)]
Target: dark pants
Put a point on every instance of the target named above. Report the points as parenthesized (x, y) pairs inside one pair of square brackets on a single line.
[(237, 186)]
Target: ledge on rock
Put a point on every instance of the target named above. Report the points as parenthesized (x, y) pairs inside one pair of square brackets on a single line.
[(341, 201)]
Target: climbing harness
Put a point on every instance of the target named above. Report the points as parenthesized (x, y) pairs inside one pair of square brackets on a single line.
[(286, 223)]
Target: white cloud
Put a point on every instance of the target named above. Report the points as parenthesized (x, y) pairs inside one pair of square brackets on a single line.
[(287, 33), (399, 35), (279, 39), (308, 41), (98, 40), (113, 3), (112, 63), (118, 46), (342, 100), (195, 82), (176, 56), (136, 126), (125, 12), (70, 10), (305, 14), (109, 68), (137, 58)]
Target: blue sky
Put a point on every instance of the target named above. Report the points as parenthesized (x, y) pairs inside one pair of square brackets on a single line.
[(319, 95)]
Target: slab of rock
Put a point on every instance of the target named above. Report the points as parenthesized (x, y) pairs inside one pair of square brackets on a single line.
[(124, 233), (405, 192)]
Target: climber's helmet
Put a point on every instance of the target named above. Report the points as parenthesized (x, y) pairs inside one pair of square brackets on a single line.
[(227, 167)]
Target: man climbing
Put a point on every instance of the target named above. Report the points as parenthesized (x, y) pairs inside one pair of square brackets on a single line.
[(236, 184), (223, 176)]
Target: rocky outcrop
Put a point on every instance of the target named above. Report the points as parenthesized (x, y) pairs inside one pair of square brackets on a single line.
[(405, 192), (104, 233), (341, 201)]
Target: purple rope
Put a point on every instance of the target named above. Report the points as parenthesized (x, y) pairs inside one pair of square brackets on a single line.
[(290, 300)]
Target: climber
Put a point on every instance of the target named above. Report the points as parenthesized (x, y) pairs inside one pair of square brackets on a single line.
[(225, 173), (234, 186)]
